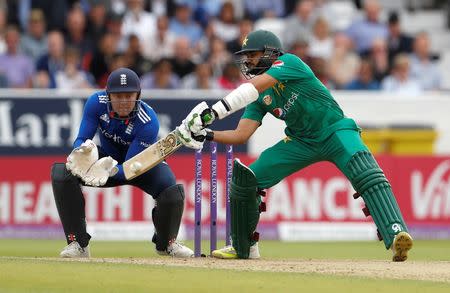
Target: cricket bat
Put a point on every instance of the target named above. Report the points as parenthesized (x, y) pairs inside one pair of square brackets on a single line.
[(151, 156)]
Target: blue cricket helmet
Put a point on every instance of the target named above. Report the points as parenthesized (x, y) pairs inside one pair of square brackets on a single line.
[(123, 80)]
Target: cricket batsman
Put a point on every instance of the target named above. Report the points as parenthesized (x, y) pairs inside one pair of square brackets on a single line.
[(316, 130), (126, 126)]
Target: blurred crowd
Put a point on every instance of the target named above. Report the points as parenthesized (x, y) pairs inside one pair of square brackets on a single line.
[(189, 44)]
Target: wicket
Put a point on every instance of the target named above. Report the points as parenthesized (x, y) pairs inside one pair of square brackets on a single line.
[(213, 197)]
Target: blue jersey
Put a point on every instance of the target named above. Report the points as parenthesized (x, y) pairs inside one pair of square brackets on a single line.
[(119, 139)]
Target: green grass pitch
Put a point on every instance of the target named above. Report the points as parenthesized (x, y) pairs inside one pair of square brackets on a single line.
[(23, 269)]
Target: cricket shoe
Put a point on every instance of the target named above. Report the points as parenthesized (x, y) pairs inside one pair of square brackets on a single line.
[(74, 250), (176, 249), (228, 252), (403, 242)]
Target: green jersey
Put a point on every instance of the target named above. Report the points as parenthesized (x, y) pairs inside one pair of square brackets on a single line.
[(301, 100)]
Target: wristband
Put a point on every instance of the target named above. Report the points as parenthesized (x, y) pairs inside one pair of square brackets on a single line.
[(209, 135)]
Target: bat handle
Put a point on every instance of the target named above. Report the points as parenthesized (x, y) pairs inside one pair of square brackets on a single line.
[(208, 116)]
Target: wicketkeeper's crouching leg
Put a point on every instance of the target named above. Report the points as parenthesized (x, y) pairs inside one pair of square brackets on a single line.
[(245, 206), (166, 217), (70, 203), (371, 184)]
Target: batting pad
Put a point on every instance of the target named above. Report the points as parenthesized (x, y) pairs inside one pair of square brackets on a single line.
[(244, 205), (369, 181)]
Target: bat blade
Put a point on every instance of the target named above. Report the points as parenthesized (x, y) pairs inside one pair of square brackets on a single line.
[(151, 156)]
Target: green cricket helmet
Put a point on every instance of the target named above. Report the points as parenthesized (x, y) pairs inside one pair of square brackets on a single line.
[(259, 41)]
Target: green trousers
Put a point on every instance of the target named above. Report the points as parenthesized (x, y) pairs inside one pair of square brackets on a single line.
[(291, 155)]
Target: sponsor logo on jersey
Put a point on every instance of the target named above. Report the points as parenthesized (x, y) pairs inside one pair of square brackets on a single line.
[(145, 144), (290, 102), (114, 137), (105, 118), (279, 113), (267, 100), (277, 63)]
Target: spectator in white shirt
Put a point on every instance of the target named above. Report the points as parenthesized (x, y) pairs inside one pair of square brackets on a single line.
[(400, 81), (321, 43), (137, 21), (425, 70), (72, 77), (161, 44), (226, 27), (300, 23), (201, 78)]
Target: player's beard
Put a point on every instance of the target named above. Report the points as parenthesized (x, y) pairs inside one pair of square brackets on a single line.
[(262, 65)]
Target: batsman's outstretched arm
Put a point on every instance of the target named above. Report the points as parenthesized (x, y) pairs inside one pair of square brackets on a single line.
[(240, 135), (243, 95)]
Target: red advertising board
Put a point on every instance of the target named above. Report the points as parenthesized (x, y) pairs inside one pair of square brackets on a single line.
[(319, 193)]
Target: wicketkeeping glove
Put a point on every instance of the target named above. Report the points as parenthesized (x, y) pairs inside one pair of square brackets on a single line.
[(82, 158), (99, 173)]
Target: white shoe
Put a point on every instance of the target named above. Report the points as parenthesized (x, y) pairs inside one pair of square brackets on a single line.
[(228, 252), (176, 249), (74, 250)]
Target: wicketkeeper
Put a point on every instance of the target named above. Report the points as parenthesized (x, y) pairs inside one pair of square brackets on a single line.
[(316, 130), (126, 126)]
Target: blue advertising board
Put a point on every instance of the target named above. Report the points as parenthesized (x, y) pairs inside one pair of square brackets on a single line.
[(48, 125)]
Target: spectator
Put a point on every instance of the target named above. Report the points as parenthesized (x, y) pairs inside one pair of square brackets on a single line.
[(270, 22), (182, 61), (134, 57), (55, 12), (380, 58), (182, 24), (319, 67), (200, 79), (16, 67), (398, 42), (3, 22), (41, 80), (245, 27), (71, 77), (364, 32), (364, 79), (256, 9), (225, 27), (218, 56), (138, 22), (3, 80), (76, 27), (300, 48), (321, 44), (34, 42), (96, 23), (53, 61), (161, 45), (114, 27), (299, 25), (231, 77), (344, 63), (162, 77), (400, 81), (106, 52), (423, 68)]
